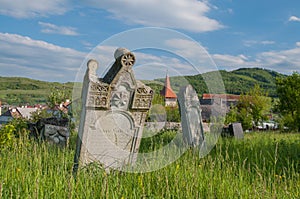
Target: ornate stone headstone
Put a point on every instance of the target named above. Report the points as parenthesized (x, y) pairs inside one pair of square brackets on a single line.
[(191, 121), (113, 114)]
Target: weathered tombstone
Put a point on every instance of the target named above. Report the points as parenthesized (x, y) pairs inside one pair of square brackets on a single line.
[(53, 130), (234, 130), (113, 114), (191, 121)]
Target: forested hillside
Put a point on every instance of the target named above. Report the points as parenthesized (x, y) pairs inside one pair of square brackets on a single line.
[(236, 82), (20, 91)]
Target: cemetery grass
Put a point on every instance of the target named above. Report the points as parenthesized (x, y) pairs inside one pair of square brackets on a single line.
[(263, 165)]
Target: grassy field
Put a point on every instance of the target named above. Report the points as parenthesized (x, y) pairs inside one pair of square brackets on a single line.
[(263, 165)]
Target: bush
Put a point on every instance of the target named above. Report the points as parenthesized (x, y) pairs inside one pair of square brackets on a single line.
[(7, 136), (21, 127), (173, 114), (10, 132)]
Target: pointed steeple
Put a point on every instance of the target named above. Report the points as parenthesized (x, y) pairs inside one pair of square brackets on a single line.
[(167, 91)]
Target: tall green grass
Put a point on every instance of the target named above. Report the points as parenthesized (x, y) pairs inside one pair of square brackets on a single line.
[(263, 165)]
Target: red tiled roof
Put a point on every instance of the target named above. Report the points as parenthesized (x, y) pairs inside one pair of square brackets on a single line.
[(222, 96), (167, 91)]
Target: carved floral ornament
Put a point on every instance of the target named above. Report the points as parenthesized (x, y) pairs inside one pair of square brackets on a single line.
[(119, 100), (128, 60)]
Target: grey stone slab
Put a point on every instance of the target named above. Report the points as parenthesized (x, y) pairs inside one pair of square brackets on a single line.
[(233, 130), (236, 130), (191, 120)]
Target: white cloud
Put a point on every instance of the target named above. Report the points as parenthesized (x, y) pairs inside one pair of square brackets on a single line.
[(193, 52), (294, 18), (54, 29), (188, 15), (33, 8), (87, 44), (285, 61), (267, 42), (249, 43), (186, 48), (23, 56), (230, 60)]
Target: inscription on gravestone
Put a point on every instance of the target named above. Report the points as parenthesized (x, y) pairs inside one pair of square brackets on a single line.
[(191, 121), (113, 114)]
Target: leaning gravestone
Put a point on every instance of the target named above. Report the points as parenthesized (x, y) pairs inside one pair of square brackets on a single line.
[(233, 130), (113, 114), (191, 120)]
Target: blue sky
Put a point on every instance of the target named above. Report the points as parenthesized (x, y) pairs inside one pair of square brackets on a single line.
[(52, 40)]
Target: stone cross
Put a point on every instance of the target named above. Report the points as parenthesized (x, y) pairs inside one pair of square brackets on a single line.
[(113, 114), (191, 120)]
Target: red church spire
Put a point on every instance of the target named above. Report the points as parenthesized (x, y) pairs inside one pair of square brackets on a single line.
[(167, 91)]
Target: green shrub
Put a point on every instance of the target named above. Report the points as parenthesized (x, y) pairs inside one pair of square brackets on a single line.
[(11, 132), (7, 136), (173, 114)]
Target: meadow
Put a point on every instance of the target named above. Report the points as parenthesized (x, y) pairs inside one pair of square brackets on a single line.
[(262, 165)]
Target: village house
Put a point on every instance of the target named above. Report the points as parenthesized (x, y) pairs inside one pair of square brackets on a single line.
[(224, 101), (16, 112)]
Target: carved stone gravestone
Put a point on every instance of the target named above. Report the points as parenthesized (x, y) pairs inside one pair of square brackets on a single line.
[(113, 114), (191, 121), (236, 130), (53, 130)]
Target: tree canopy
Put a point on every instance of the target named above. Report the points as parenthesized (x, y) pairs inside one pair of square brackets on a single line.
[(288, 90), (253, 106)]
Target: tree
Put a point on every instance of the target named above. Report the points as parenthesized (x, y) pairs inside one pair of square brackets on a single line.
[(288, 90), (57, 96), (39, 114), (254, 106), (232, 115)]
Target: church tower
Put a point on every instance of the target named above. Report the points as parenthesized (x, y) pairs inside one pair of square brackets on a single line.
[(168, 93)]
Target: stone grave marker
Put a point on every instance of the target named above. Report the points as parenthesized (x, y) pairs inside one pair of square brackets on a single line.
[(236, 130), (191, 120), (53, 130), (113, 114), (233, 130)]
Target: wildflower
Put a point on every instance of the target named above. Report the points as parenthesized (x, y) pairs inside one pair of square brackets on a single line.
[(279, 176), (140, 180)]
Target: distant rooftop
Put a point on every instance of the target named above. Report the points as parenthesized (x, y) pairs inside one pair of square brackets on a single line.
[(221, 96)]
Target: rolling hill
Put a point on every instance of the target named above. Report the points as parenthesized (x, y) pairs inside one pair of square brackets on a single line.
[(236, 82), (20, 91)]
